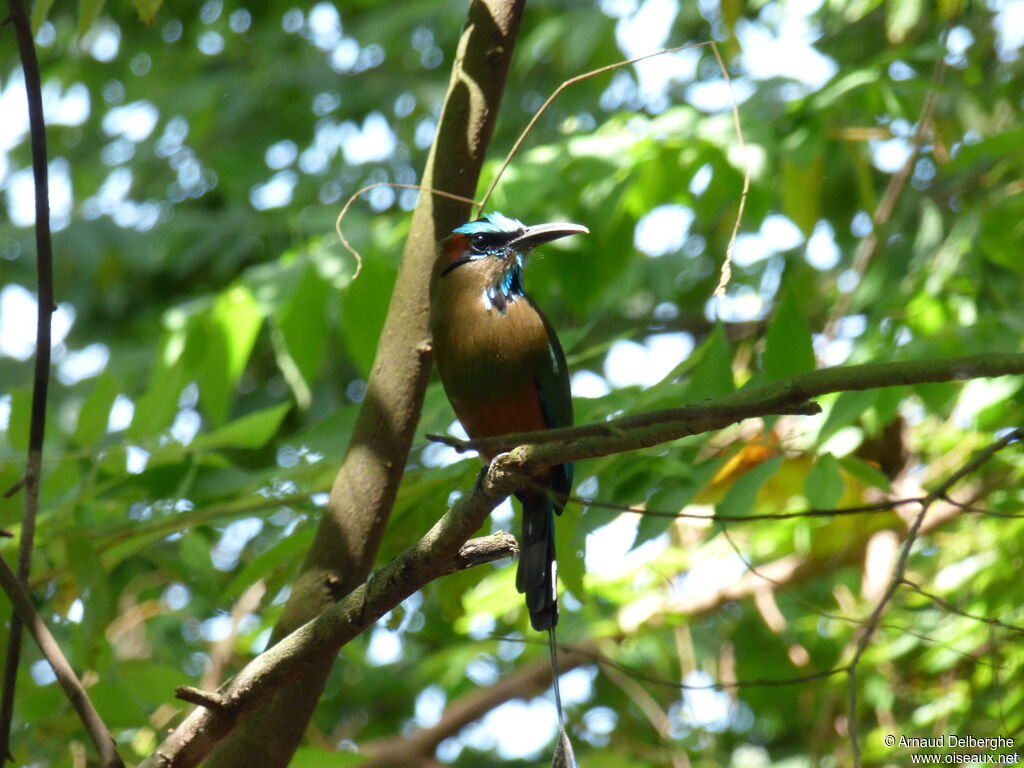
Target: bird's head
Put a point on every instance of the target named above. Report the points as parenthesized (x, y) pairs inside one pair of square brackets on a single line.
[(499, 244)]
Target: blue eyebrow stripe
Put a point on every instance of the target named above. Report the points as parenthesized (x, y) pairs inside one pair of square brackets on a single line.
[(492, 222)]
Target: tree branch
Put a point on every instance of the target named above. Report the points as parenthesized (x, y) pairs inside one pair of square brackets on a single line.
[(41, 375), (440, 552), (364, 490), (506, 474), (784, 573), (788, 395), (866, 248), (525, 682), (72, 686), (899, 573)]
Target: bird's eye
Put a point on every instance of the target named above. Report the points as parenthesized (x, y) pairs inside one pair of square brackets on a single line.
[(478, 243)]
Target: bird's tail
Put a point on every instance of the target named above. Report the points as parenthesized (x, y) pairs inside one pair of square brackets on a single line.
[(536, 574)]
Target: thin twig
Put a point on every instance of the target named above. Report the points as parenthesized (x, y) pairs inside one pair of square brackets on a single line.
[(590, 652), (787, 590), (882, 506), (41, 375), (726, 269), (438, 552), (18, 485), (899, 573), (866, 248), (996, 683), (950, 608), (980, 511), (209, 699), (51, 651), (394, 185), (788, 395), (721, 686)]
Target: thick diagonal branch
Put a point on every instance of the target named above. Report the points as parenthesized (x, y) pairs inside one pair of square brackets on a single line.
[(439, 552), (365, 488)]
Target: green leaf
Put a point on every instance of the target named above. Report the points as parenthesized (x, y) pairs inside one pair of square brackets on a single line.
[(824, 485), (95, 412), (568, 544), (845, 410), (194, 558), (300, 334), (286, 552), (251, 431), (672, 498), (40, 12), (10, 506), (147, 10), (711, 375), (788, 347), (331, 434), (901, 17), (232, 326), (156, 409), (88, 12), (866, 473), (92, 581), (317, 757), (801, 190), (20, 418), (364, 307), (740, 498), (153, 683)]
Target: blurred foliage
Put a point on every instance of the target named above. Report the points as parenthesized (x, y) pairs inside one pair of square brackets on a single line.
[(197, 262)]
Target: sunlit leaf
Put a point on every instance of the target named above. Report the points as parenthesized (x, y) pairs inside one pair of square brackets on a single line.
[(302, 324), (788, 346), (250, 431), (865, 472), (88, 12), (824, 486), (364, 307), (147, 9), (20, 419), (40, 12), (228, 335), (846, 408), (95, 411), (740, 498), (711, 375)]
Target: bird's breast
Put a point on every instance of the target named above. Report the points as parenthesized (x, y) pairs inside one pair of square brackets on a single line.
[(489, 356)]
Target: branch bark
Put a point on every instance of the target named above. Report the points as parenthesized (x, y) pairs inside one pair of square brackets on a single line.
[(364, 490), (788, 395), (785, 573), (782, 574), (41, 375), (73, 688), (438, 551), (443, 550), (899, 571)]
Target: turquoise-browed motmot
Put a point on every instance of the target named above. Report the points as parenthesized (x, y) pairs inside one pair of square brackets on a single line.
[(504, 371)]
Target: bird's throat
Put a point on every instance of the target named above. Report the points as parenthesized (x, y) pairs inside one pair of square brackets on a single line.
[(501, 293)]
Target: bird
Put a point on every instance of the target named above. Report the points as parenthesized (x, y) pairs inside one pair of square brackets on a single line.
[(504, 371)]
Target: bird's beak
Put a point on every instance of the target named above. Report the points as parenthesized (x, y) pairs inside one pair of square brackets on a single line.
[(531, 237)]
